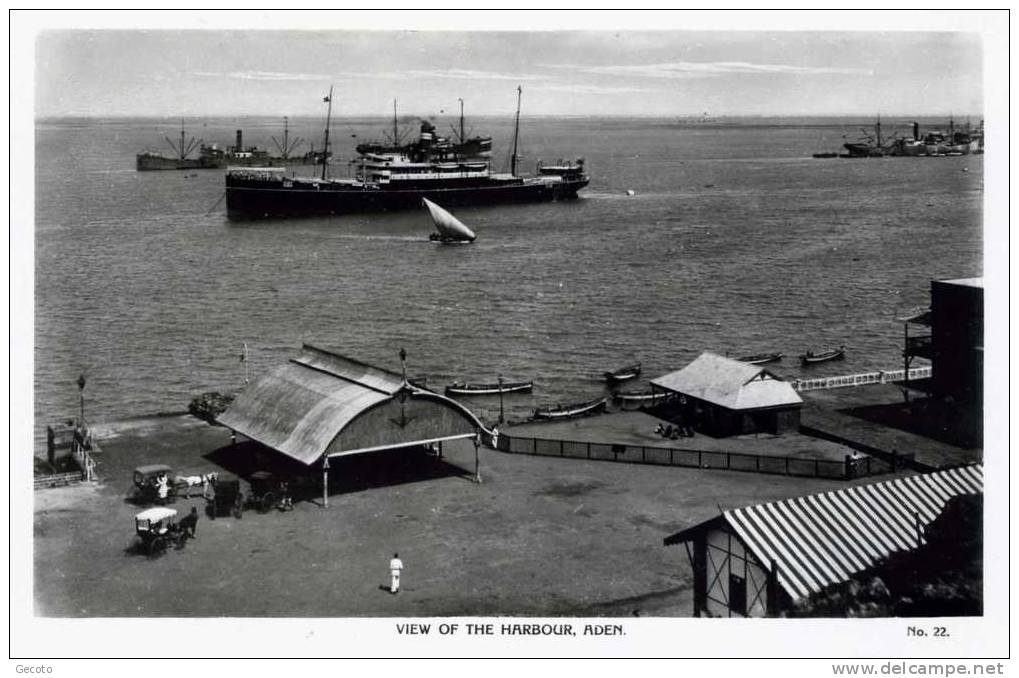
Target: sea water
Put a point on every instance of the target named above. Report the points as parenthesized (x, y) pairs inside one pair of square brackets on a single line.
[(735, 241)]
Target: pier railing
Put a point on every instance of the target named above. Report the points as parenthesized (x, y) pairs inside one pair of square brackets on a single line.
[(879, 377), (850, 467)]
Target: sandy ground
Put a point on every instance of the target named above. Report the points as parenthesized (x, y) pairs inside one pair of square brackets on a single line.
[(638, 428), (540, 536)]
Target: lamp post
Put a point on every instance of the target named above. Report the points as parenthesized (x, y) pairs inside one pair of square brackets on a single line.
[(500, 400), (81, 396)]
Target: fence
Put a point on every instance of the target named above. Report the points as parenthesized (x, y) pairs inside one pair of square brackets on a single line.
[(845, 469), (879, 377)]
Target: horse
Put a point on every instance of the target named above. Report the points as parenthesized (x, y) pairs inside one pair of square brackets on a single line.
[(187, 482), (188, 525)]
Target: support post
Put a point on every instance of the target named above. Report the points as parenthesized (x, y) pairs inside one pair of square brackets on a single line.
[(325, 482), (477, 458), (501, 412), (772, 590)]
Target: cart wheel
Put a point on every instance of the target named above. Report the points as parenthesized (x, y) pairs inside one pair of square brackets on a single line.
[(156, 547), (267, 502)]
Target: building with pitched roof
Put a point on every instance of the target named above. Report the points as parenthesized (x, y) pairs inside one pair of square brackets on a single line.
[(759, 560), (321, 405), (727, 397)]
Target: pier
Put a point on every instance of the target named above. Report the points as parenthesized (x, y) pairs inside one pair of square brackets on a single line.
[(862, 379)]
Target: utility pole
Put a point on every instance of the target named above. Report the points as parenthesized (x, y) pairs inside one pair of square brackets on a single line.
[(81, 397)]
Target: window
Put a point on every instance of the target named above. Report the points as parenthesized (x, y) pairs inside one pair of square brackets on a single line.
[(737, 594)]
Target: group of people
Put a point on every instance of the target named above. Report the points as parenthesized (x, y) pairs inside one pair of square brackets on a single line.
[(674, 432)]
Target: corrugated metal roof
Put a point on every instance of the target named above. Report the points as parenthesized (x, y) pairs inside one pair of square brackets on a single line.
[(302, 406), (729, 383), (350, 369), (825, 538), (298, 410)]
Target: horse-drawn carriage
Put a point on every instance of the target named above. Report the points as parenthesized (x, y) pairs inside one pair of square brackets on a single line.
[(269, 491), (157, 528), (154, 483), (224, 497)]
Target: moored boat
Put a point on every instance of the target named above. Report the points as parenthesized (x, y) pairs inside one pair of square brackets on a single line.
[(810, 357), (461, 388), (640, 396), (623, 374), (761, 358), (567, 411)]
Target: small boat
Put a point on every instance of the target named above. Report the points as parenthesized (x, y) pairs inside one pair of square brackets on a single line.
[(761, 358), (825, 155), (451, 229), (810, 357), (460, 388), (567, 411), (640, 396), (623, 374)]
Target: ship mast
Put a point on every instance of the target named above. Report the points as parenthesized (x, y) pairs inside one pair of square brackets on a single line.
[(516, 135), (182, 156), (286, 138), (461, 120), (396, 138), (325, 150)]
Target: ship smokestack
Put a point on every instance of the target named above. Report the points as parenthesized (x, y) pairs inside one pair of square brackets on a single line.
[(240, 139), (916, 131)]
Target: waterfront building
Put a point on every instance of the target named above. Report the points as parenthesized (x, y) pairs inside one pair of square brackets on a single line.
[(760, 560), (724, 397), (321, 405)]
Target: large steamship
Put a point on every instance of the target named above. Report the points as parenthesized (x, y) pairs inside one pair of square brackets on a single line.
[(451, 172)]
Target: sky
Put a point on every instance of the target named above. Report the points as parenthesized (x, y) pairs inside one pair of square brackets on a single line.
[(603, 72)]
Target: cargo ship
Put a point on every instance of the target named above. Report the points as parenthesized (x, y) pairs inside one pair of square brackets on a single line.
[(394, 176), (180, 159), (210, 156)]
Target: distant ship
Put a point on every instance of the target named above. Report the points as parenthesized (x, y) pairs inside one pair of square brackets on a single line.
[(451, 173), (934, 143), (213, 157)]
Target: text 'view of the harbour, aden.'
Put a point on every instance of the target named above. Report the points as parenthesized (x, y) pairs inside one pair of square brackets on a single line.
[(576, 327)]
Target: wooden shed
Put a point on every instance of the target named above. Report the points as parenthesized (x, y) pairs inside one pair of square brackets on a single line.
[(724, 397), (758, 560)]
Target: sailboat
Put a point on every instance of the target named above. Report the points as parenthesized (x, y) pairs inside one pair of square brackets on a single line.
[(451, 229)]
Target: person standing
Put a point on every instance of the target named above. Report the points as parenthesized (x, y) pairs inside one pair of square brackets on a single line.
[(395, 566)]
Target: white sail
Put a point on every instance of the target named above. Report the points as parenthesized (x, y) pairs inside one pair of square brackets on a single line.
[(448, 225)]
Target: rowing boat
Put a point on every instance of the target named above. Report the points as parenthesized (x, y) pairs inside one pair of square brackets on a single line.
[(640, 396), (623, 374), (567, 411), (761, 358), (809, 358), (460, 388)]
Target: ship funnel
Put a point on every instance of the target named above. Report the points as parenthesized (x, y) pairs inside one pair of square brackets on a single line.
[(916, 131), (240, 138)]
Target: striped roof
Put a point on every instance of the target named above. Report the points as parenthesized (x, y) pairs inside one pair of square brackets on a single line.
[(729, 383), (825, 538)]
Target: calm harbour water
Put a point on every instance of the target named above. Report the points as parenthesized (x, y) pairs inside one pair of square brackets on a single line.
[(736, 240)]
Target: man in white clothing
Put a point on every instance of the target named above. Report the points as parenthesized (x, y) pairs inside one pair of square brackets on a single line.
[(395, 565)]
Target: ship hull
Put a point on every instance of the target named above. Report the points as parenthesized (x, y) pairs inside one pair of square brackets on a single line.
[(246, 201), (152, 163)]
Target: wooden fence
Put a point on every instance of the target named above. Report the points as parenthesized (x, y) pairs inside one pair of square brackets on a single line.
[(846, 469)]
